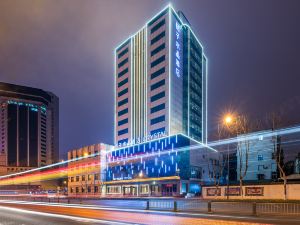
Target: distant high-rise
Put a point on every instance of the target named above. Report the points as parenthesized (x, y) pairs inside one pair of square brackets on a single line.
[(161, 82), (29, 128)]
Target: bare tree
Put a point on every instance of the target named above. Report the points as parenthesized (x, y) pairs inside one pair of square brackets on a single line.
[(275, 120), (241, 127), (216, 167)]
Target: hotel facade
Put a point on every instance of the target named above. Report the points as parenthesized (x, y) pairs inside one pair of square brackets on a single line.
[(160, 128), (160, 82)]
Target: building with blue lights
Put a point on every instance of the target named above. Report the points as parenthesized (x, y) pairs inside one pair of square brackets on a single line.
[(160, 127), (167, 166), (29, 128), (160, 82)]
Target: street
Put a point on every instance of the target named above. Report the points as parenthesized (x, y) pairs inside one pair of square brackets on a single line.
[(29, 213)]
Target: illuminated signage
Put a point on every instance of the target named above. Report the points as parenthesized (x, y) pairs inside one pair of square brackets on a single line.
[(178, 49), (144, 139)]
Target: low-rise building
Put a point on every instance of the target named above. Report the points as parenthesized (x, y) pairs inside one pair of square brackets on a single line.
[(256, 151), (86, 170)]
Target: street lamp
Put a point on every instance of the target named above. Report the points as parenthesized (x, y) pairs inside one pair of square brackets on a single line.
[(227, 121)]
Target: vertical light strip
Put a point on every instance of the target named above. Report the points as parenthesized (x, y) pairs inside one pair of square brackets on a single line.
[(115, 97), (131, 87), (169, 129), (146, 80), (188, 84), (206, 92)]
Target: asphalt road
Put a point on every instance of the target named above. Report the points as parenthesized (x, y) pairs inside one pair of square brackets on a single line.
[(11, 216), (62, 214)]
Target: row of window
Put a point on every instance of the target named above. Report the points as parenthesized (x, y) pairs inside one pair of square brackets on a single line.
[(157, 84), (83, 190), (158, 72), (158, 37), (83, 177), (123, 63), (123, 72), (121, 83), (158, 96), (122, 122), (158, 25), (158, 49), (122, 53), (123, 112), (123, 102), (158, 61), (157, 120), (158, 108), (124, 131)]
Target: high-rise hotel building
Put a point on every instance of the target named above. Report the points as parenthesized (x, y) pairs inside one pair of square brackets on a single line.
[(160, 82), (29, 126)]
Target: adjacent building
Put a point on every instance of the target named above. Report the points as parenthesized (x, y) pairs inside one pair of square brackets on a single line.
[(257, 151), (160, 82), (86, 170), (29, 128)]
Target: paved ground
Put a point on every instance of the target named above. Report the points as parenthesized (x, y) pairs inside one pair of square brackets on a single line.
[(11, 216), (121, 216)]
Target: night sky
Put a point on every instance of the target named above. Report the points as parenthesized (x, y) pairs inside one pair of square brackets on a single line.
[(66, 47)]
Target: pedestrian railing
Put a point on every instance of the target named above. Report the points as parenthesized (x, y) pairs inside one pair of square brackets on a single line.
[(183, 205), (278, 208)]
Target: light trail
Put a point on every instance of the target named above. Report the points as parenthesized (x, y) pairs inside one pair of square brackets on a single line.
[(64, 172)]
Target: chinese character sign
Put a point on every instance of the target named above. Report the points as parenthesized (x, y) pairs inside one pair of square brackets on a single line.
[(178, 49)]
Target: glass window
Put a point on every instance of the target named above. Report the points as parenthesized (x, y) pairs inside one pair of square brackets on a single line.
[(158, 84), (122, 53), (158, 49), (124, 131), (158, 25), (123, 72), (158, 61), (123, 92), (123, 102), (158, 108), (122, 112), (158, 72), (157, 120), (122, 122), (158, 37), (158, 96), (121, 83), (123, 63)]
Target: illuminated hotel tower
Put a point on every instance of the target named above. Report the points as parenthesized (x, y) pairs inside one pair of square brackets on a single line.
[(161, 81)]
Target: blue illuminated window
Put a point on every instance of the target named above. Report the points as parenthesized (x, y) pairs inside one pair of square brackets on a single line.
[(159, 130), (122, 122), (122, 112), (124, 101), (123, 63), (158, 120), (123, 92), (158, 49), (121, 83), (158, 108), (158, 61), (124, 131), (123, 53), (123, 140), (158, 37), (158, 96), (158, 72), (123, 72), (157, 26), (260, 157), (158, 84)]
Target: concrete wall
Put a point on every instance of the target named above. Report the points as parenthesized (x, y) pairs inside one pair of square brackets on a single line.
[(274, 191)]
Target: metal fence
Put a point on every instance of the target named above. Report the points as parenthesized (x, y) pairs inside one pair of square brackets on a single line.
[(182, 205)]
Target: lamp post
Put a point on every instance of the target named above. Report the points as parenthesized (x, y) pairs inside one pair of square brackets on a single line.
[(227, 121)]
